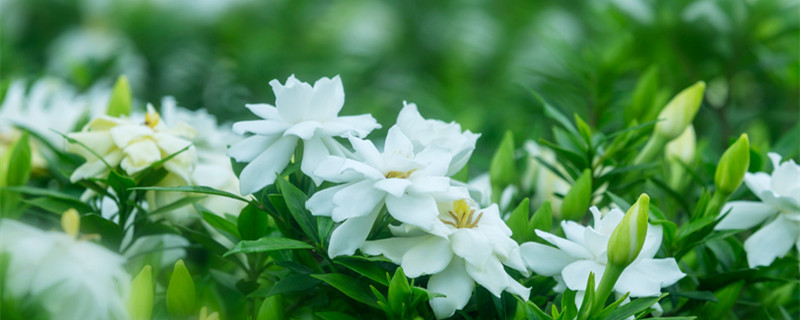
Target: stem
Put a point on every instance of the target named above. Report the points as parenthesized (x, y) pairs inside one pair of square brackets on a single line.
[(651, 149), (717, 201), (610, 276)]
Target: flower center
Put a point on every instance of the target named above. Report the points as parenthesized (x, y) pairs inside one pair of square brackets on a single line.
[(399, 174), (151, 119), (462, 218)]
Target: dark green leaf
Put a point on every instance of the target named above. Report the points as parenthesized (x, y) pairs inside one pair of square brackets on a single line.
[(296, 203), (253, 223), (267, 244), (195, 189), (350, 287)]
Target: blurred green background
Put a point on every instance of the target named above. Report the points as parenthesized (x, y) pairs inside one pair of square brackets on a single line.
[(475, 62)]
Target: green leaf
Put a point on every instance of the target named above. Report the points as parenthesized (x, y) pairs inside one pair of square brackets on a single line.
[(272, 309), (333, 315), (19, 166), (267, 244), (364, 267), (180, 292), (221, 224), (296, 202), (518, 222), (180, 203), (553, 113), (195, 189), (110, 232), (584, 130), (56, 205), (253, 223), (120, 102), (350, 287), (578, 198), (542, 220), (292, 283), (634, 307), (726, 297), (502, 170), (399, 291)]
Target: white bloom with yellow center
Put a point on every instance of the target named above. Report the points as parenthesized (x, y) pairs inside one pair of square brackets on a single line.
[(409, 183), (302, 112), (133, 146), (584, 251), (428, 132), (780, 205), (476, 246), (70, 278)]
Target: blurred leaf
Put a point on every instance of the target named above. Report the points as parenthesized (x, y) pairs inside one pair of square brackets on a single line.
[(195, 189), (253, 223), (350, 287), (267, 244), (19, 165), (502, 170), (292, 283), (221, 224)]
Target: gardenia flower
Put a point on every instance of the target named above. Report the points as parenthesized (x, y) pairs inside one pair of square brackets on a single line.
[(475, 248), (584, 252), (409, 183), (780, 205), (132, 146), (303, 113), (68, 278), (424, 133)]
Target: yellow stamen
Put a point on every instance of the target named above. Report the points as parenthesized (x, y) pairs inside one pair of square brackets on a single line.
[(398, 174), (462, 218), (71, 222), (151, 119)]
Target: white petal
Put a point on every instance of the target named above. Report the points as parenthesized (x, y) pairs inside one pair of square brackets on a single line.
[(472, 245), (264, 111), (652, 242), (428, 184), (772, 241), (366, 152), (491, 276), (758, 182), (139, 155), (357, 126), (645, 278), (314, 152), (350, 235), (785, 178), (428, 257), (544, 260), (292, 99), (99, 142), (321, 202), (249, 148), (356, 200), (398, 143), (123, 135), (596, 242), (392, 248), (260, 127), (576, 274), (263, 170), (338, 169), (417, 210), (328, 98), (303, 130), (96, 168), (455, 284), (435, 159), (573, 231), (744, 214), (393, 186), (569, 247)]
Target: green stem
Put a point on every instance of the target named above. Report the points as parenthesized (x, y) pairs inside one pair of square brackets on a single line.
[(717, 201), (610, 276), (651, 149)]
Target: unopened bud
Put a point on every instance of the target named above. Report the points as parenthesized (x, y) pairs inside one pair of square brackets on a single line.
[(683, 147), (180, 292), (71, 222), (680, 111), (628, 237), (140, 302), (733, 165)]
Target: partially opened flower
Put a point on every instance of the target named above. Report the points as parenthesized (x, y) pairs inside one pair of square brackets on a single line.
[(132, 145), (584, 251), (409, 183), (66, 277), (424, 133), (477, 245), (779, 193), (301, 112)]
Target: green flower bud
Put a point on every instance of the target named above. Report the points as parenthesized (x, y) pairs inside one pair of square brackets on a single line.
[(120, 102), (578, 198), (683, 147), (680, 111), (180, 292), (627, 239), (140, 302), (733, 165)]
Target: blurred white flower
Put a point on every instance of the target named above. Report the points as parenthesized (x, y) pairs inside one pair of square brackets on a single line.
[(409, 183), (133, 146), (448, 136), (71, 279), (584, 251), (475, 248), (780, 205), (302, 112), (539, 179)]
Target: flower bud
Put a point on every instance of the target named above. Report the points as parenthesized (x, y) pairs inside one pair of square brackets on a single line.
[(140, 302), (120, 102), (683, 147), (680, 111), (733, 165), (71, 222), (180, 292), (578, 199), (628, 237)]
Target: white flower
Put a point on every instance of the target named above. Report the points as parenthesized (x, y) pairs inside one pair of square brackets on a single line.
[(303, 113), (475, 248), (584, 251), (408, 183), (424, 133), (780, 205), (541, 180), (133, 146), (72, 279)]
